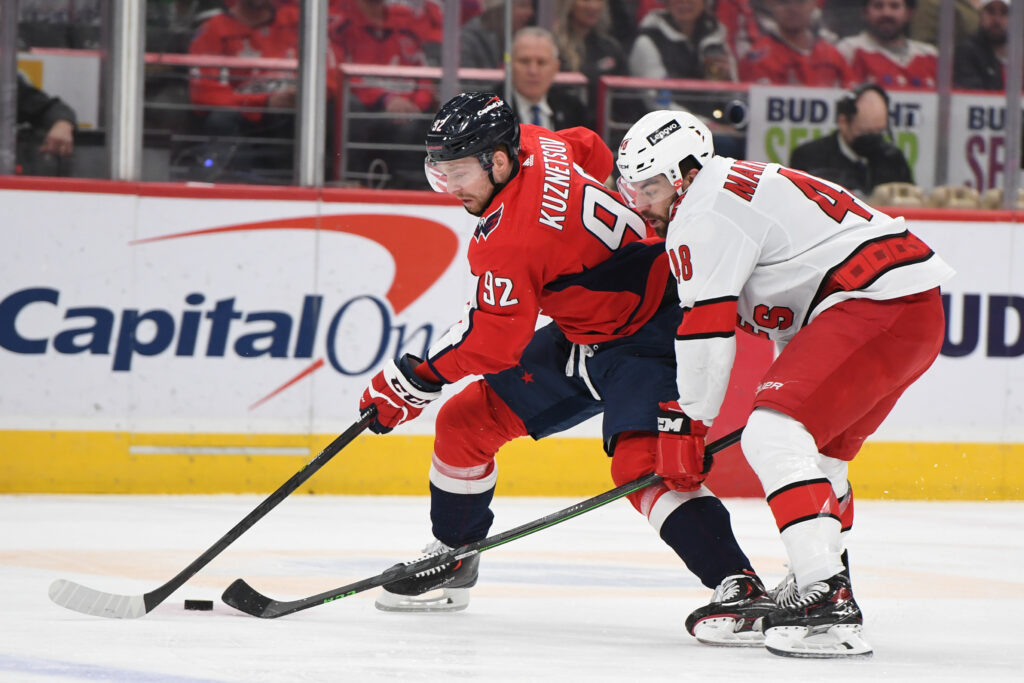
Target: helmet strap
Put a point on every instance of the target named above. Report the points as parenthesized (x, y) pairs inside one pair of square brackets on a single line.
[(499, 186)]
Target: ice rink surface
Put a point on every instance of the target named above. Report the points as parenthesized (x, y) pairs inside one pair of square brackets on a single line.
[(598, 598)]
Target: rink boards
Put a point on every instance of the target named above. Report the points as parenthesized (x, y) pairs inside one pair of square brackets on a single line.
[(179, 339)]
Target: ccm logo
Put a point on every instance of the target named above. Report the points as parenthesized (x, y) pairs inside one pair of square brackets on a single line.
[(671, 424), (406, 395)]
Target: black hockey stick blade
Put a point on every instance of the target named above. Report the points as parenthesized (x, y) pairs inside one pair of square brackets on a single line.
[(245, 598), (90, 601)]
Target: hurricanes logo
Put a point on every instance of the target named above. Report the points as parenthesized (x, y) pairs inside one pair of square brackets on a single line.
[(488, 224)]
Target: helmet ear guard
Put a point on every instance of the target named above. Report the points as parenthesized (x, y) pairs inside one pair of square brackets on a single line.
[(657, 144)]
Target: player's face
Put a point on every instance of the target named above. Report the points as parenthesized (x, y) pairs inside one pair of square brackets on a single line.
[(886, 19), (465, 179), (652, 198)]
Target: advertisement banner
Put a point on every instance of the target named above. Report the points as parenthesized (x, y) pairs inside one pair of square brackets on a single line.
[(977, 142), (783, 117), (168, 338), (168, 313)]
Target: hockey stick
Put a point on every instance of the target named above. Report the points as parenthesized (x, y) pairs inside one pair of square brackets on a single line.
[(87, 600), (245, 598)]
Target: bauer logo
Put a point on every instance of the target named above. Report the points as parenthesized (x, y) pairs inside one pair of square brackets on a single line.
[(663, 132), (226, 319)]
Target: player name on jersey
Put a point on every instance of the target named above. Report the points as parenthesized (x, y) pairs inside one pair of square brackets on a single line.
[(554, 201)]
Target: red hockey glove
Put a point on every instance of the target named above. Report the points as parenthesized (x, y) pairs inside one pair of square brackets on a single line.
[(681, 461), (399, 394)]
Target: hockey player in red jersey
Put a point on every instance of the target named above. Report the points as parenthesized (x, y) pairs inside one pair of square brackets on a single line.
[(851, 298), (552, 239)]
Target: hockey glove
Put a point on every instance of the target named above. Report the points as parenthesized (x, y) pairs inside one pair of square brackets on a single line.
[(681, 460), (399, 394)]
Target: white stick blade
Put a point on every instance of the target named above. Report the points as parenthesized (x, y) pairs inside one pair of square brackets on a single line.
[(86, 600)]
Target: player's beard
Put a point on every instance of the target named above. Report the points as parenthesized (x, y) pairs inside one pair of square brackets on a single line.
[(656, 223)]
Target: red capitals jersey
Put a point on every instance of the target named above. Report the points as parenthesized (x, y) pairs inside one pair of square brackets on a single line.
[(225, 35), (914, 66), (555, 241), (775, 62), (396, 41)]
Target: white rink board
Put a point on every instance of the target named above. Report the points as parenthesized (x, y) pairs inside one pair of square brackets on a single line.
[(86, 248)]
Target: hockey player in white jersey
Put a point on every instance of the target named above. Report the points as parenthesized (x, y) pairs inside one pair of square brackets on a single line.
[(851, 299)]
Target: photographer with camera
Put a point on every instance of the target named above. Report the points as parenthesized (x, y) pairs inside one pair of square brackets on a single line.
[(860, 154)]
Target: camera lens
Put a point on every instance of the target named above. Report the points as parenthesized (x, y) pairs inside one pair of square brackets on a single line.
[(736, 114)]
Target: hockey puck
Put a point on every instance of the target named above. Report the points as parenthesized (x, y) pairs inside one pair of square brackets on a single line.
[(201, 605)]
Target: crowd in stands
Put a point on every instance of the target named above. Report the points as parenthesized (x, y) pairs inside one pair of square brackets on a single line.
[(891, 43)]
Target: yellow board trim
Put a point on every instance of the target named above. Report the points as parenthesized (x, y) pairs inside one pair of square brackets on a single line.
[(140, 463)]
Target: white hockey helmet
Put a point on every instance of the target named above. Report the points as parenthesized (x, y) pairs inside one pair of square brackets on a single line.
[(655, 145)]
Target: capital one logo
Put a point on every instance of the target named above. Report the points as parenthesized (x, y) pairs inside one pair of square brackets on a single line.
[(211, 326)]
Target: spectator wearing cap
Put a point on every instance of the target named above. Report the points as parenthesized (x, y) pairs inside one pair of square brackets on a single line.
[(858, 154), (979, 62), (883, 54)]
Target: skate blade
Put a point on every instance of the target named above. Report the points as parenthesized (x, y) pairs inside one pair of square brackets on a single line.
[(727, 632), (440, 600), (833, 643)]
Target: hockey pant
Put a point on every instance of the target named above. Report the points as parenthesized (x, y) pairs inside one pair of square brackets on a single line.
[(471, 427)]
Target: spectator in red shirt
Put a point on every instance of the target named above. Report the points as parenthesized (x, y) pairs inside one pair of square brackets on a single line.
[(883, 54), (247, 102), (793, 52), (251, 28), (375, 32)]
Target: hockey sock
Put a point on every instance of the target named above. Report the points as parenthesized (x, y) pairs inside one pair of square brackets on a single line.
[(700, 532), (470, 428), (460, 518)]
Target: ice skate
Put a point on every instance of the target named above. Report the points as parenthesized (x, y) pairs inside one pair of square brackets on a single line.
[(441, 589), (822, 622), (733, 617), (786, 591)]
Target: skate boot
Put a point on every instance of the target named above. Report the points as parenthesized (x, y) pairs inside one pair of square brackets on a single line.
[(733, 617), (786, 591), (820, 622), (441, 589)]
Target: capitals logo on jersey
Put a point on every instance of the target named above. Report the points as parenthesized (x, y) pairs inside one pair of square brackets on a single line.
[(488, 224)]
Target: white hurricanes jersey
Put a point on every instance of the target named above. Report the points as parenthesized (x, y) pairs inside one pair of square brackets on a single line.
[(768, 248)]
